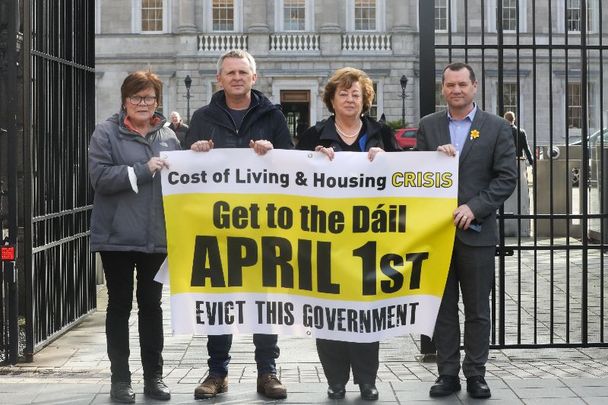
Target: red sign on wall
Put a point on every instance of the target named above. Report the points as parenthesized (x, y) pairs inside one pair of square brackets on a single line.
[(7, 253)]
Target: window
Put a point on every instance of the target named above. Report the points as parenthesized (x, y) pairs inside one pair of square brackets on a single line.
[(574, 17), (439, 100), (373, 109), (294, 15), (509, 15), (150, 16), (441, 15), (223, 15), (509, 99), (574, 106), (513, 13), (365, 15)]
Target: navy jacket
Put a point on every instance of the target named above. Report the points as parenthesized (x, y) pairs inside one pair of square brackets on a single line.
[(263, 120)]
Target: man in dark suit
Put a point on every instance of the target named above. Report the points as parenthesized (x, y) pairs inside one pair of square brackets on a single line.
[(486, 177)]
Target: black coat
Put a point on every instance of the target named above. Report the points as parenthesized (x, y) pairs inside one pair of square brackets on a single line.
[(521, 144), (263, 120), (324, 134)]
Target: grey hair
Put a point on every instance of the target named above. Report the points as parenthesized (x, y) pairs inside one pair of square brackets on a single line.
[(510, 116), (238, 54), (179, 117)]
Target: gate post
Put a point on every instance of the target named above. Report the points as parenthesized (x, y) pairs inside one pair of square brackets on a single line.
[(8, 116), (426, 15)]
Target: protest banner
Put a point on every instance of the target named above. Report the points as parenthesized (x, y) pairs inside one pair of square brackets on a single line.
[(292, 243)]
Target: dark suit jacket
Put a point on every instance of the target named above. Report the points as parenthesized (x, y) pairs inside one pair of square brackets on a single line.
[(487, 172), (521, 144)]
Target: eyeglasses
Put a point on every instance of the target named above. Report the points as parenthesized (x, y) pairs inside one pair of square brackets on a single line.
[(136, 100)]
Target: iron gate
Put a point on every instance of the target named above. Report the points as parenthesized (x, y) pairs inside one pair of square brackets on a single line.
[(544, 60), (48, 146)]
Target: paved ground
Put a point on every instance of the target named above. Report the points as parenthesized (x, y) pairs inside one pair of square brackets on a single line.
[(74, 370)]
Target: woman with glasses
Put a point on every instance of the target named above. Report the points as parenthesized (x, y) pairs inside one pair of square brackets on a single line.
[(128, 228)]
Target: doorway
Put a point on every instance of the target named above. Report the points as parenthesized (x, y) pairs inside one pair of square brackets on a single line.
[(296, 107)]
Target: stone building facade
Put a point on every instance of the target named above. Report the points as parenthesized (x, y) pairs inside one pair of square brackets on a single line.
[(298, 43)]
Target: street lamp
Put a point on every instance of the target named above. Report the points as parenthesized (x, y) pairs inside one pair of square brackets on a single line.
[(403, 82), (188, 83)]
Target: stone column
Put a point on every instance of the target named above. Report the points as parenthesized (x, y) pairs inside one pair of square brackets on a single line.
[(400, 16), (329, 26), (257, 15), (186, 17), (329, 16)]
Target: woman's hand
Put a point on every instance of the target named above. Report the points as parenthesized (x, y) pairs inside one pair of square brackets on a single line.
[(261, 146), (448, 149), (372, 152), (156, 164), (202, 146), (329, 152)]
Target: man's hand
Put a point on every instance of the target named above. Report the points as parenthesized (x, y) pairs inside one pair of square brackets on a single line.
[(463, 216), (261, 146), (448, 149)]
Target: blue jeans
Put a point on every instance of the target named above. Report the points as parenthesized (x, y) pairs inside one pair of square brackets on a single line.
[(266, 351)]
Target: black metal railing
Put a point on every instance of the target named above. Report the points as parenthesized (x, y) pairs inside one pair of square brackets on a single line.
[(56, 271), (544, 60)]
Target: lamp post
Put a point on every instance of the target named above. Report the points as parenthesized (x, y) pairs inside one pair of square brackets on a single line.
[(188, 83), (403, 82)]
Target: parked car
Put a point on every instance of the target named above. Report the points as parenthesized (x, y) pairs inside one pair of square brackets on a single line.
[(406, 137), (593, 139)]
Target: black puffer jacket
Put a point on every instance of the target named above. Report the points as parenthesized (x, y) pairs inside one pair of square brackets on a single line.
[(263, 120), (324, 134)]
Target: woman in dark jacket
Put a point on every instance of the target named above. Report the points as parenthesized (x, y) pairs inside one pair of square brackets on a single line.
[(128, 228), (348, 95)]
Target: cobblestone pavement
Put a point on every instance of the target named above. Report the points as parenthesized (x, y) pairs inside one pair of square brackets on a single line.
[(74, 369)]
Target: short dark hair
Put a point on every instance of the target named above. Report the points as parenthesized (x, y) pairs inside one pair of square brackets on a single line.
[(344, 78), (456, 66), (138, 81)]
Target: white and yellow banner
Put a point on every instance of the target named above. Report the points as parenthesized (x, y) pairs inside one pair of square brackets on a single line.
[(292, 243)]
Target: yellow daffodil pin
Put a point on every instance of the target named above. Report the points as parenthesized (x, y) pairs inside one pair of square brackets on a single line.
[(474, 134)]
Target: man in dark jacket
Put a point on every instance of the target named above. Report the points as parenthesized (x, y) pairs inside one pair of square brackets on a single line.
[(239, 117), (520, 139)]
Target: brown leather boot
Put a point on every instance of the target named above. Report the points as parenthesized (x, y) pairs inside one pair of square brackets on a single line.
[(270, 386), (212, 386)]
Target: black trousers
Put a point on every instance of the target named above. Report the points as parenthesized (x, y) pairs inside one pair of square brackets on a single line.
[(119, 268), (337, 359)]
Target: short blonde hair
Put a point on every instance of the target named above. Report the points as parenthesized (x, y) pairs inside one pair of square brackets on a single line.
[(344, 78)]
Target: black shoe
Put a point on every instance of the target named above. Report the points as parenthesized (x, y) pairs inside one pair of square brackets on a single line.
[(156, 388), (122, 392), (477, 387), (336, 391), (368, 392), (445, 385)]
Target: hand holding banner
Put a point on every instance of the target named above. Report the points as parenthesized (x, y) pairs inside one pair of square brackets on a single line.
[(292, 243)]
